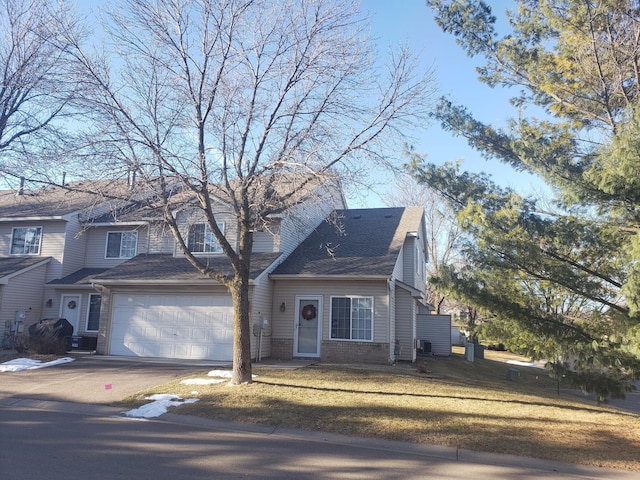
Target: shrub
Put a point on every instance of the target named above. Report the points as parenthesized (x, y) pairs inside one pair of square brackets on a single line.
[(47, 345)]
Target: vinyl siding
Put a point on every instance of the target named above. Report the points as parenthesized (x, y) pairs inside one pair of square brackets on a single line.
[(408, 261), (75, 246), (302, 219), (23, 293), (160, 240), (287, 290), (405, 326), (97, 241), (261, 311), (267, 240), (437, 330)]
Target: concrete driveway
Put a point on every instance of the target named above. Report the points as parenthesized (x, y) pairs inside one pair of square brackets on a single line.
[(95, 380)]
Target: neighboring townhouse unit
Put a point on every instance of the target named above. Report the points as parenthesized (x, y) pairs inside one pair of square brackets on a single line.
[(42, 240), (326, 282)]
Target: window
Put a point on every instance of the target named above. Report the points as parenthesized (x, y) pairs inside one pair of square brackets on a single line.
[(26, 241), (93, 317), (201, 239), (352, 318), (121, 244)]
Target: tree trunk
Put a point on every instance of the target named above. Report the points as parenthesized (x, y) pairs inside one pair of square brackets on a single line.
[(239, 289)]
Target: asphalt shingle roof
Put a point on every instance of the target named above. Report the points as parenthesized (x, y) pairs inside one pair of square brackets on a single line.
[(165, 267), (356, 242), (84, 276), (56, 201), (9, 265)]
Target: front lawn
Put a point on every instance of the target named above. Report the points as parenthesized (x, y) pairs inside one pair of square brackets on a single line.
[(440, 401)]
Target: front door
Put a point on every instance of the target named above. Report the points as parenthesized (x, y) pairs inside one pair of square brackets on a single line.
[(70, 310), (307, 326)]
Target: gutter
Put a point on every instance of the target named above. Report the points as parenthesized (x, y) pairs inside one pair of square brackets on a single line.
[(310, 276), (33, 219), (115, 282)]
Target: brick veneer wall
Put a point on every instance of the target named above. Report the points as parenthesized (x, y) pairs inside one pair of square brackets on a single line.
[(355, 352), (282, 348)]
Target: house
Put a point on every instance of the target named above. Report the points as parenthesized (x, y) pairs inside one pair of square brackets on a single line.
[(326, 282), (351, 290)]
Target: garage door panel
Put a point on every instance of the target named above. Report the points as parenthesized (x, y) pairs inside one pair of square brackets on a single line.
[(195, 326)]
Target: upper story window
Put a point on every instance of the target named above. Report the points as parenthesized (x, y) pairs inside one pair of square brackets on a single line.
[(202, 240), (26, 240), (352, 318), (121, 244)]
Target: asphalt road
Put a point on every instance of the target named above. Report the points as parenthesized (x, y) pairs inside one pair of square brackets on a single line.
[(56, 424), (54, 444)]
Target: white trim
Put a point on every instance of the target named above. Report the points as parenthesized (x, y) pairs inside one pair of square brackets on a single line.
[(89, 223), (119, 257), (207, 228), (76, 328), (373, 317), (32, 219), (13, 229)]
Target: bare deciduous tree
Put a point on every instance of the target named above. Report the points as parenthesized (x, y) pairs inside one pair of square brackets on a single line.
[(230, 97), (36, 84)]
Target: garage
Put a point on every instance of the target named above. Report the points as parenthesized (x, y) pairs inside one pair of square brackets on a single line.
[(197, 327)]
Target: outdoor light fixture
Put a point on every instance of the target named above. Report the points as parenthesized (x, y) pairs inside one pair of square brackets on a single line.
[(283, 307)]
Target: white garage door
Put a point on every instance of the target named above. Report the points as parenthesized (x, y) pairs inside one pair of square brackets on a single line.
[(172, 326)]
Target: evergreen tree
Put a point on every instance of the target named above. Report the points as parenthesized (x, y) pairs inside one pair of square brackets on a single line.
[(561, 283)]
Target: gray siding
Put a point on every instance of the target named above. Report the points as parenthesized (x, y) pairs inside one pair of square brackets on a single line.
[(437, 330), (261, 317), (302, 219), (405, 325), (96, 243), (287, 290), (23, 293), (268, 239), (409, 261), (74, 247), (160, 240)]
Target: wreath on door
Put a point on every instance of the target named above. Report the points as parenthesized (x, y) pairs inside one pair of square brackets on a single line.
[(71, 304), (309, 312)]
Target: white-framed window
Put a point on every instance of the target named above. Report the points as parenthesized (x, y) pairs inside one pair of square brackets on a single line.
[(26, 240), (121, 244), (202, 240), (352, 318), (93, 313)]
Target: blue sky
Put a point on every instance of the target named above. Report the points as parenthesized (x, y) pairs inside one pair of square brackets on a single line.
[(411, 21)]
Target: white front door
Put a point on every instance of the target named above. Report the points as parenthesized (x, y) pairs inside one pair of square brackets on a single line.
[(308, 331), (70, 309)]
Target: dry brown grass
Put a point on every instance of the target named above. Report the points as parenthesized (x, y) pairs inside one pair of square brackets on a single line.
[(444, 402)]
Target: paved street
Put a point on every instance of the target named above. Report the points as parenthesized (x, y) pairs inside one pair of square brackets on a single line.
[(57, 441), (56, 424)]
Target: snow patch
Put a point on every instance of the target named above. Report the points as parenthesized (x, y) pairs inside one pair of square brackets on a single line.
[(202, 381), (161, 403), (20, 364)]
